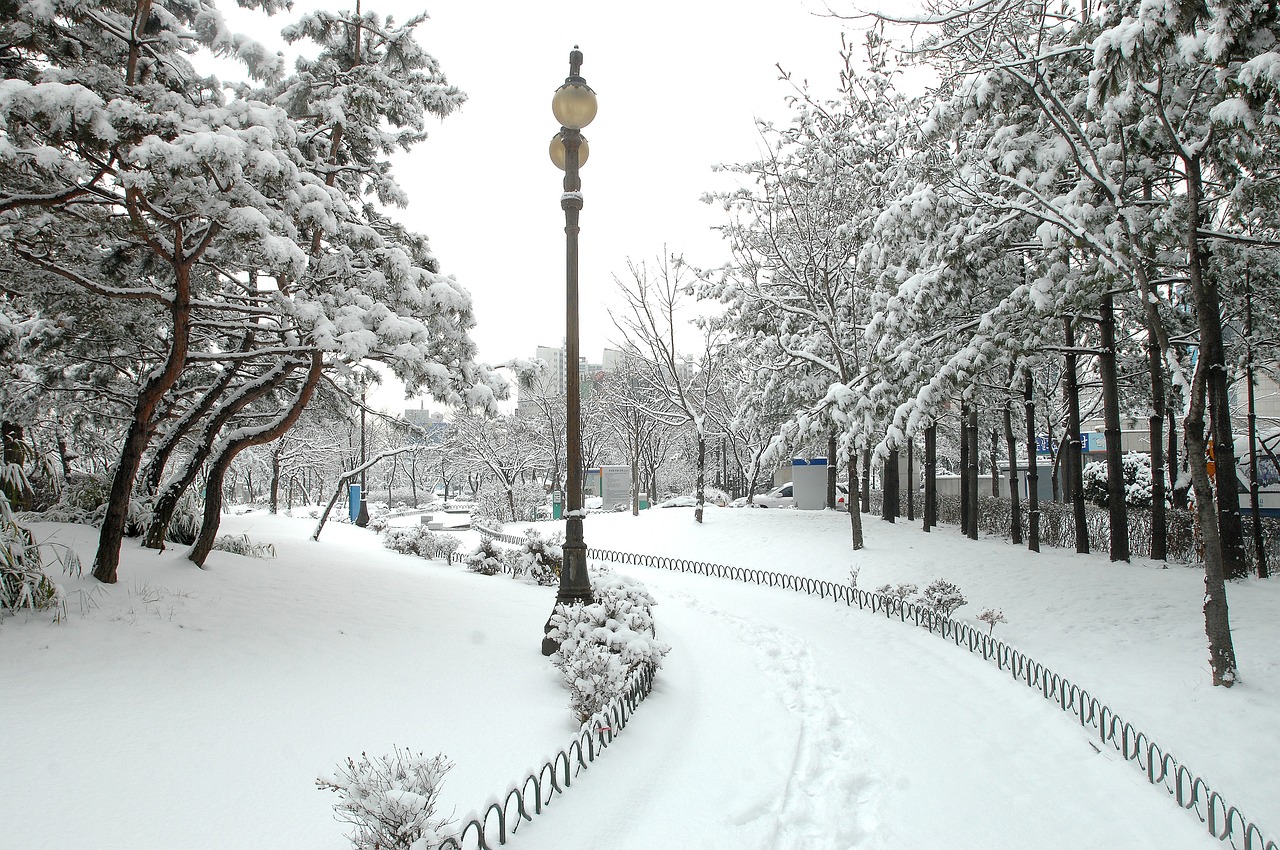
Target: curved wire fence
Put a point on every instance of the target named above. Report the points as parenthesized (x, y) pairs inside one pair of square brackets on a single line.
[(1224, 821), (1058, 526), (502, 817)]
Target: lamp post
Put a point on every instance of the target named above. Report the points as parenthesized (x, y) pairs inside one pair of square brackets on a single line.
[(574, 106)]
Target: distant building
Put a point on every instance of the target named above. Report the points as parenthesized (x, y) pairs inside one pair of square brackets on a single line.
[(553, 380), (429, 428)]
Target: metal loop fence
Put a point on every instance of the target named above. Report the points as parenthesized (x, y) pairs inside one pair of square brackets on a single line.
[(1223, 821), (491, 826), (1058, 526)]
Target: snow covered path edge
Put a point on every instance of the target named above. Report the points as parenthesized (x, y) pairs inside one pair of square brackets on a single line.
[(1223, 821)]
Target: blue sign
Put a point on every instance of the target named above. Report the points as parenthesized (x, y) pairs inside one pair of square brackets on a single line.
[(353, 501)]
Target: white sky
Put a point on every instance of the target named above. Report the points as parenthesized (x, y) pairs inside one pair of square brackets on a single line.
[(679, 82)]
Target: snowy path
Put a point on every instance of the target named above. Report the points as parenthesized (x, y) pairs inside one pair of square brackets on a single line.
[(859, 733)]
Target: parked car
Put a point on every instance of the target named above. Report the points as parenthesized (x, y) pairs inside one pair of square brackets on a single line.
[(782, 497)]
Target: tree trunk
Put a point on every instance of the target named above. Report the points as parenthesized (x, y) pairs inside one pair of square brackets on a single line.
[(1217, 620), (635, 485), (1033, 468), (866, 481), (702, 477), (1204, 288), (930, 476), (995, 464), (889, 471), (1259, 547), (141, 427), (964, 468), (1177, 494), (274, 498), (1015, 512), (973, 471), (911, 480), (1074, 459), (1155, 430), (1116, 507), (167, 502), (855, 518), (256, 437), (831, 472)]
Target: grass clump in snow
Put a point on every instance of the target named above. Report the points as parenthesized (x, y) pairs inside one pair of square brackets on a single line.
[(242, 545), (390, 800), (23, 583)]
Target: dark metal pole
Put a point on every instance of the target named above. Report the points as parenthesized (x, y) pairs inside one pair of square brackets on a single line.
[(575, 584), (362, 518)]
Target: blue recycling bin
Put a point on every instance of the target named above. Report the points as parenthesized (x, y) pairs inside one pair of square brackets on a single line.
[(353, 501)]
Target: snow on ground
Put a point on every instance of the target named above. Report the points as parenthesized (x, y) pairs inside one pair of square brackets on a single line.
[(1132, 634), (189, 708)]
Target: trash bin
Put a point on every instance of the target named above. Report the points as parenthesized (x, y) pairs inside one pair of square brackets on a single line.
[(353, 501), (644, 501)]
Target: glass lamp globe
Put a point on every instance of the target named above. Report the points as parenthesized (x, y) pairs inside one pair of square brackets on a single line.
[(556, 149), (574, 105)]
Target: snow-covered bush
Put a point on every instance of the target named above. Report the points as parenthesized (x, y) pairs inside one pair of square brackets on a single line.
[(391, 801), (715, 496), (542, 557), (486, 559), (1137, 481), (421, 542), (619, 624), (900, 593), (594, 676), (942, 598), (853, 576)]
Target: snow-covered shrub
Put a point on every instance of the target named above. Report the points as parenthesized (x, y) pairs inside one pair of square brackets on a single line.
[(439, 546), (620, 624), (853, 576), (542, 557), (715, 496), (391, 801), (486, 559), (991, 616), (1137, 481), (594, 676), (421, 542), (942, 598), (900, 593), (378, 523), (242, 545)]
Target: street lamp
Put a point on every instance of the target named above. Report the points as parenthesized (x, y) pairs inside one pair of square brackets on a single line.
[(574, 106)]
